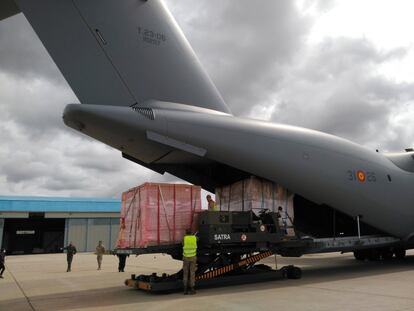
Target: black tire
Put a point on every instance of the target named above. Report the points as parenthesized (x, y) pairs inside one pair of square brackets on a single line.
[(360, 255), (400, 253), (386, 254), (297, 273), (374, 255), (294, 273), (285, 273)]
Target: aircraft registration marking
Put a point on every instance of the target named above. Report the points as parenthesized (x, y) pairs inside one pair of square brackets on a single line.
[(361, 176), (151, 37)]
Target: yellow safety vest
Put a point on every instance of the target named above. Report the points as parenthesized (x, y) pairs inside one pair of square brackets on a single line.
[(190, 246), (213, 208)]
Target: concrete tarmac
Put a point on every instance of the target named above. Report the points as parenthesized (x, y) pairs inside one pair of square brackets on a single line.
[(329, 282)]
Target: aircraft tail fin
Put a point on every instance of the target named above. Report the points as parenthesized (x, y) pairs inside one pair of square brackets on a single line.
[(121, 52)]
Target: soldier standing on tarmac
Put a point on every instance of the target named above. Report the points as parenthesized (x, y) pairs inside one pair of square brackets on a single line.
[(100, 250), (70, 251), (189, 262), (122, 261), (2, 261)]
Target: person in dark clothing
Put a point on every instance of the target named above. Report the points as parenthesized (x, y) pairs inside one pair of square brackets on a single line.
[(2, 261), (70, 251), (281, 220), (122, 261)]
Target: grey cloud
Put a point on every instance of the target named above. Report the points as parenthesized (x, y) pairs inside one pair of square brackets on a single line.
[(18, 171), (385, 89), (22, 54), (247, 46), (36, 105), (319, 5), (337, 90), (336, 56), (65, 164), (324, 5), (94, 157), (353, 117), (33, 167)]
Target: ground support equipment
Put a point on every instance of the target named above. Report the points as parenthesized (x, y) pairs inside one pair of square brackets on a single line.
[(244, 271), (232, 243)]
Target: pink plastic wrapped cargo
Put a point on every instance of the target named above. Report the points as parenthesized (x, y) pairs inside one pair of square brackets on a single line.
[(156, 214)]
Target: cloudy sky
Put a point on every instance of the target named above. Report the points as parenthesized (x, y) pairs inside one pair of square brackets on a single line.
[(343, 67)]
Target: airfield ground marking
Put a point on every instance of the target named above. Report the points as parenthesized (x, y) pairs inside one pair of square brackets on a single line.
[(21, 289)]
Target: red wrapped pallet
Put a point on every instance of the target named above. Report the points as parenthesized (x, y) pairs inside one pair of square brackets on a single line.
[(157, 214)]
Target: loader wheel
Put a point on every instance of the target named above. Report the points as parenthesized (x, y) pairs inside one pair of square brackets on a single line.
[(360, 255), (284, 272), (374, 255), (294, 273), (386, 254)]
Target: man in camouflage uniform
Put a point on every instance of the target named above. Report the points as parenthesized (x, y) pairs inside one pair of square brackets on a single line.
[(100, 250), (70, 251)]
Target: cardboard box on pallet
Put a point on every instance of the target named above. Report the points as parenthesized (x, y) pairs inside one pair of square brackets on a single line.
[(157, 214), (255, 194)]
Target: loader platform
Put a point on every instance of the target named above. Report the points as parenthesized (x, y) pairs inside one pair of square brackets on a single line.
[(231, 244), (173, 283)]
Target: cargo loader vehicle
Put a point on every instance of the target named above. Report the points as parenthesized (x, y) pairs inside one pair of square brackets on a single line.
[(232, 243)]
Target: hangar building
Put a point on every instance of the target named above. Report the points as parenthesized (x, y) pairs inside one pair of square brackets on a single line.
[(32, 225)]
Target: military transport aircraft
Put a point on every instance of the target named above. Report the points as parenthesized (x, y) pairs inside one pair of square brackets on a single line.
[(144, 92)]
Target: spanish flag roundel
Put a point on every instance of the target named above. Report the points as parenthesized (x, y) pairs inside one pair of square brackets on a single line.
[(361, 176)]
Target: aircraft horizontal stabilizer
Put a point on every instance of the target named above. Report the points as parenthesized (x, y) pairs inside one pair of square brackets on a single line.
[(404, 160)]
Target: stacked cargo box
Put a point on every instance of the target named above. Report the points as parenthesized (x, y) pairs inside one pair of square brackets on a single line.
[(255, 194), (157, 214)]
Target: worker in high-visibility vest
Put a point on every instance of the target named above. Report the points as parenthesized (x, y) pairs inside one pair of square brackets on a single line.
[(189, 262), (212, 206)]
